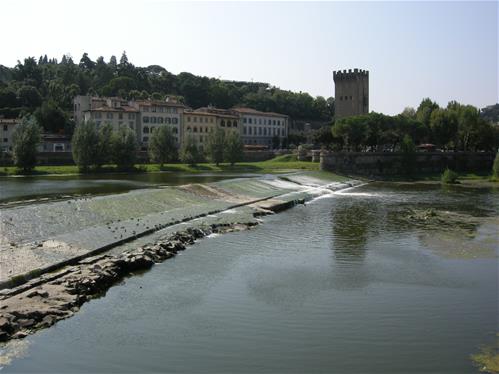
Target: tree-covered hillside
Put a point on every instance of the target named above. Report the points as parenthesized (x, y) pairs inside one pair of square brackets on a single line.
[(46, 87)]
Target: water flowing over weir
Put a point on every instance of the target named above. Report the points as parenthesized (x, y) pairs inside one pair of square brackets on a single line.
[(40, 237)]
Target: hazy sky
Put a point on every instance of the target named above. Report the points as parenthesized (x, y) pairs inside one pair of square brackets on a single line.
[(444, 50)]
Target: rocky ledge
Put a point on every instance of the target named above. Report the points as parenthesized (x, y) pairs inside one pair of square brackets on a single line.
[(42, 302)]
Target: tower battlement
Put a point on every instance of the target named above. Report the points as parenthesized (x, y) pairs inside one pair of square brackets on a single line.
[(349, 74), (351, 89)]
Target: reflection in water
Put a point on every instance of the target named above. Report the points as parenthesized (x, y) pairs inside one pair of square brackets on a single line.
[(351, 222)]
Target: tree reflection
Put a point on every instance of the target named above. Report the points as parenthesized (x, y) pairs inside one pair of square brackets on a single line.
[(351, 223)]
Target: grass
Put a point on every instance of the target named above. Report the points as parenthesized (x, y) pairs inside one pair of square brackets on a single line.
[(279, 164), (434, 177)]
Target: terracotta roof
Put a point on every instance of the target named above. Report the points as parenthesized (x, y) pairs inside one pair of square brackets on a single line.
[(109, 109), (210, 112), (9, 121), (258, 113), (159, 103)]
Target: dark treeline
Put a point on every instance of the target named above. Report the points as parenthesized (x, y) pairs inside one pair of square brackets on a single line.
[(457, 127), (46, 87)]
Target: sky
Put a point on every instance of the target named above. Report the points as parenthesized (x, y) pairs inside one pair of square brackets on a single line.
[(442, 50)]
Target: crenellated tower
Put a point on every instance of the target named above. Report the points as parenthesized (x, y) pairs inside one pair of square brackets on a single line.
[(351, 92)]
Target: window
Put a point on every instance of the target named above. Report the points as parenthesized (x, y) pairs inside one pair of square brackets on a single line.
[(130, 124), (174, 120), (249, 130), (168, 120), (145, 109), (274, 122), (265, 131), (188, 129), (222, 123), (195, 119), (244, 120), (131, 115), (234, 123), (175, 130), (195, 129), (109, 116), (97, 115), (154, 120), (211, 120), (201, 138), (244, 130), (161, 109), (145, 119), (5, 128), (160, 119), (120, 115), (229, 124), (97, 123), (153, 109), (259, 131), (249, 120), (145, 130), (145, 139), (5, 140), (174, 110), (259, 121), (188, 119), (205, 119)]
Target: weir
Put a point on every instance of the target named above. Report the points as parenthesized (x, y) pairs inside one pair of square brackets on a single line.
[(44, 237)]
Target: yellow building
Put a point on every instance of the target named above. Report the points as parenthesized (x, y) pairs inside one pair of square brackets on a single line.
[(201, 122)]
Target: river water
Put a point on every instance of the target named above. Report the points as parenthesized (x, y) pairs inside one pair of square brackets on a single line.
[(339, 285), (39, 187)]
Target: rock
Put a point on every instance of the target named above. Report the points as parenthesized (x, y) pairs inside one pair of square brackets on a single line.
[(4, 336), (26, 323), (19, 335)]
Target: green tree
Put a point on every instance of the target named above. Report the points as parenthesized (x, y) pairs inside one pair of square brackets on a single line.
[(162, 145), (495, 167), (234, 149), (104, 151), (189, 153), (85, 145), (424, 111), (443, 125), (29, 96), (216, 146), (124, 148), (408, 149), (25, 139), (51, 117)]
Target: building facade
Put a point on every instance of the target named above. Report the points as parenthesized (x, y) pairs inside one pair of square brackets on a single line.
[(142, 116), (261, 128), (201, 122), (7, 127), (351, 92)]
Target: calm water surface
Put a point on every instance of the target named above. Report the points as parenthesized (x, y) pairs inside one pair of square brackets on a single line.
[(338, 285), (25, 188)]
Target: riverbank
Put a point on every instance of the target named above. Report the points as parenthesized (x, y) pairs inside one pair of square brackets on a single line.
[(281, 164)]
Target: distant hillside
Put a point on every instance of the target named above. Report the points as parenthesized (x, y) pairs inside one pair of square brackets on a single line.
[(54, 83), (491, 113)]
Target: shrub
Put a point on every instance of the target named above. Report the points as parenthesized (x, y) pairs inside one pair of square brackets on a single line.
[(25, 139), (449, 176)]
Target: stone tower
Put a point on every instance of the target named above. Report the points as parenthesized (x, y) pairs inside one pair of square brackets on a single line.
[(351, 92)]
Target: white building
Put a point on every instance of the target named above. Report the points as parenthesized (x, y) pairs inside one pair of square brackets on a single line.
[(259, 128), (7, 127)]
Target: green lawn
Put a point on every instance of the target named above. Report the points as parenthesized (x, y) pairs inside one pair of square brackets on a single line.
[(279, 164)]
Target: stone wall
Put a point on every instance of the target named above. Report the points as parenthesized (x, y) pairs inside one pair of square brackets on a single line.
[(380, 163)]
